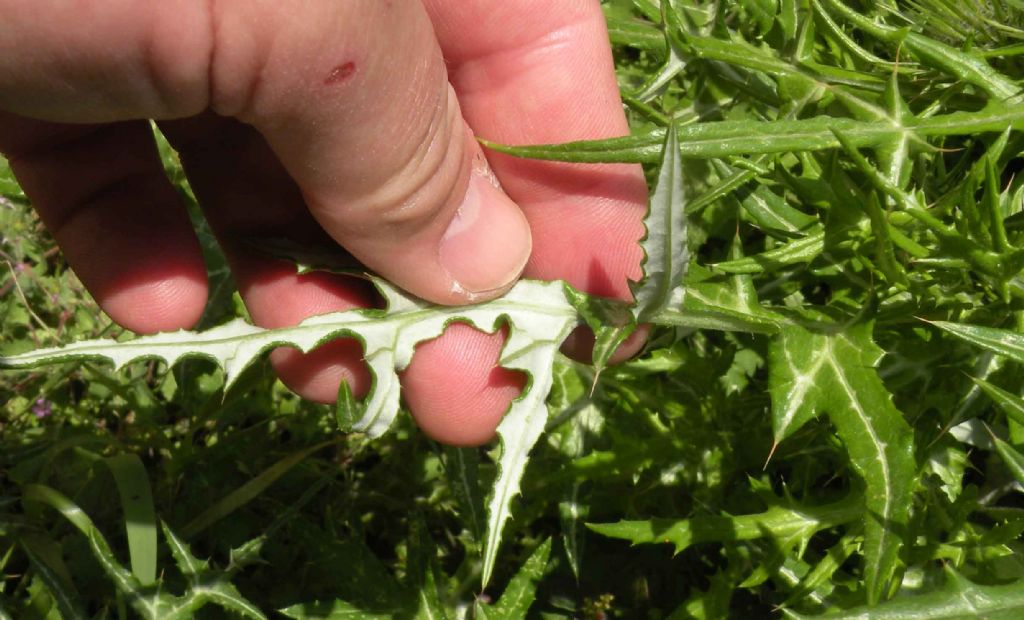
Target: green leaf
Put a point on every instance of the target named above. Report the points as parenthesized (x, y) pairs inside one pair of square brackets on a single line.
[(347, 409), (674, 63), (330, 610), (1010, 404), (727, 303), (573, 509), (1013, 459), (970, 69), (665, 252), (780, 521), (205, 585), (461, 467), (835, 373), (44, 554), (958, 598), (122, 579), (522, 589), (748, 137), (611, 320), (1000, 341), (139, 514), (421, 570), (802, 250), (819, 576), (189, 565)]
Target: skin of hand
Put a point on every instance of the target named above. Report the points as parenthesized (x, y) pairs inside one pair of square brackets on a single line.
[(350, 122)]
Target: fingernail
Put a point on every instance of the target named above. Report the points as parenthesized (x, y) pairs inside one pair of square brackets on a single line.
[(488, 241)]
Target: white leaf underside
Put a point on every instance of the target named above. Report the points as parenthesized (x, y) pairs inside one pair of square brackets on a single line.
[(536, 311), (539, 315)]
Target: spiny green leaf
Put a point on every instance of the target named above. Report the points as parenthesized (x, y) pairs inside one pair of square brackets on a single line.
[(573, 507), (674, 62), (935, 54), (330, 610), (44, 555), (522, 589), (421, 573), (727, 303), (802, 250), (822, 572), (1013, 459), (780, 521), (844, 39), (189, 565), (611, 320), (1000, 341), (835, 373), (958, 598), (747, 137), (123, 579), (461, 467), (665, 252), (1010, 404), (347, 409)]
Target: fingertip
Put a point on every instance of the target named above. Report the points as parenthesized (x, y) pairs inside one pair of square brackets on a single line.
[(317, 375), (456, 390), (277, 296), (168, 303)]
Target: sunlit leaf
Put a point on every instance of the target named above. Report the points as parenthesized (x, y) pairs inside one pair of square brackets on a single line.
[(958, 598), (834, 373), (781, 521)]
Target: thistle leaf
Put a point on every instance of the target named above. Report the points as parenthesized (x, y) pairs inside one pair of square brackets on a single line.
[(835, 373), (522, 590), (665, 252), (535, 309), (958, 598), (779, 521), (534, 353), (1000, 341)]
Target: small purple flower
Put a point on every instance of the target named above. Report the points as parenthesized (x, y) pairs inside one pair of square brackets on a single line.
[(42, 408)]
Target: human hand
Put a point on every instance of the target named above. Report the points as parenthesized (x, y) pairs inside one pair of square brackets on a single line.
[(326, 120)]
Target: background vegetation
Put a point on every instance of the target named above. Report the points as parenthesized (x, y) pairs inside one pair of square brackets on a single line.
[(833, 419)]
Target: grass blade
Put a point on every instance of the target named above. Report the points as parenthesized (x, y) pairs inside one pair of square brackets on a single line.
[(139, 514), (248, 491)]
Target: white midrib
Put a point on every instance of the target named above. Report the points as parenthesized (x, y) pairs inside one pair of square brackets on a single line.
[(879, 444), (801, 383)]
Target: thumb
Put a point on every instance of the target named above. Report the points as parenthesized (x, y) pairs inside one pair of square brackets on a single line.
[(352, 96), (354, 99)]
